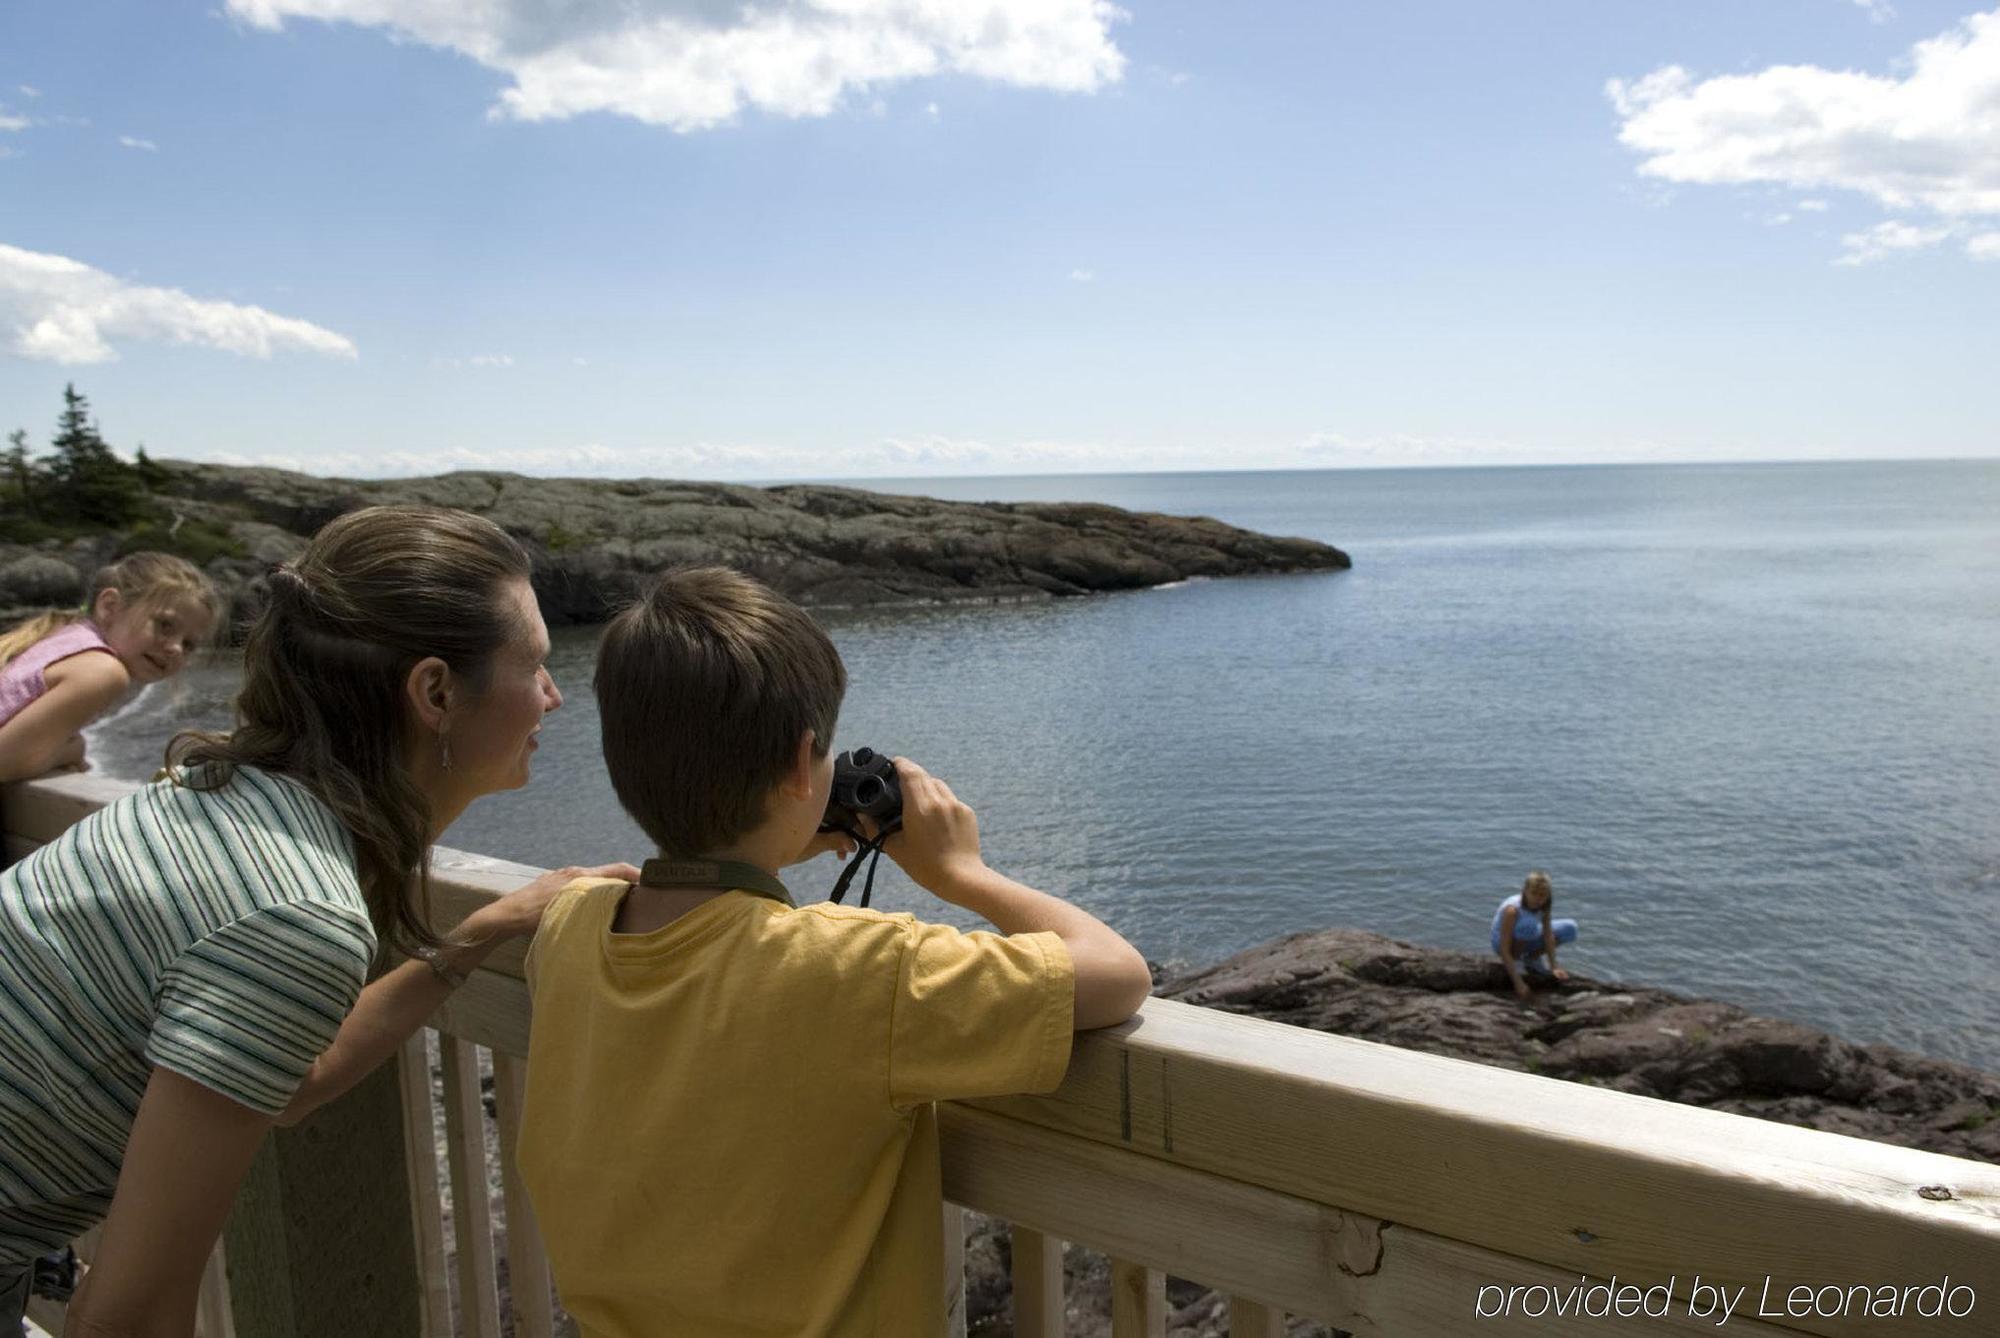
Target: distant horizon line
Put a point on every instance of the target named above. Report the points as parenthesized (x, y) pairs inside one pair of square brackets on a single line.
[(856, 479)]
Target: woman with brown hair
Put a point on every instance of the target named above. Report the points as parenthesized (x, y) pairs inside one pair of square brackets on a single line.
[(186, 967)]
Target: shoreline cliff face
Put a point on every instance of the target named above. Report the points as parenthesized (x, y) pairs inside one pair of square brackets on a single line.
[(1632, 1038), (594, 540)]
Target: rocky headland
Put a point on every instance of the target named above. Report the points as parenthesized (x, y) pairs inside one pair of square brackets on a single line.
[(1631, 1038), (594, 540)]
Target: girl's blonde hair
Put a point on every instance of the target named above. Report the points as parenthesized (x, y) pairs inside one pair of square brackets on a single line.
[(1538, 881), (139, 578)]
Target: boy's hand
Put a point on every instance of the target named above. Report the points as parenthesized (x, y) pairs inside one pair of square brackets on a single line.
[(938, 845), (840, 843)]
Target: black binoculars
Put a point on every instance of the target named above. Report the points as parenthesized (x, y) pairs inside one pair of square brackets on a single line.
[(864, 786)]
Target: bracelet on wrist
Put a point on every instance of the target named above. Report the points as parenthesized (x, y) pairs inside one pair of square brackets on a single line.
[(440, 968)]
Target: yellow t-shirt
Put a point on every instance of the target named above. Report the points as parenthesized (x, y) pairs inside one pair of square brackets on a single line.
[(729, 1130)]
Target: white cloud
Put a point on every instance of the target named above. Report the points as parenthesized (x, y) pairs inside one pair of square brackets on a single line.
[(30, 91), (476, 360), (1662, 85), (1337, 450), (1986, 246), (1083, 276), (893, 457), (1879, 11), (1885, 239), (1928, 141), (9, 121), (132, 142), (694, 64), (931, 111), (1814, 206), (918, 456), (941, 456), (55, 309), (589, 461)]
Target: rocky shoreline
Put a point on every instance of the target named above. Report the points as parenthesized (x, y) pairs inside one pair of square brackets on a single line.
[(1630, 1038), (594, 540)]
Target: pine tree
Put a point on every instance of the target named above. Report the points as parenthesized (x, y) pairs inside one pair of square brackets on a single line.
[(151, 473), (87, 482), (20, 472)]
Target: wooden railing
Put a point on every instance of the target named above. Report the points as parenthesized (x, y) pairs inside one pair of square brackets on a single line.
[(1380, 1190)]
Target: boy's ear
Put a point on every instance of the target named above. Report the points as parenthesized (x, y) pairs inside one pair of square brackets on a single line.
[(798, 780)]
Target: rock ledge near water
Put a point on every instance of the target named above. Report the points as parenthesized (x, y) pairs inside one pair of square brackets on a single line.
[(594, 540), (1629, 1038)]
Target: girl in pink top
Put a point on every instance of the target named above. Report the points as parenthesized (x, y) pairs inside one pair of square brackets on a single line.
[(61, 670)]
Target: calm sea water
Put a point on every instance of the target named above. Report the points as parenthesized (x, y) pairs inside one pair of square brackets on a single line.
[(1746, 717)]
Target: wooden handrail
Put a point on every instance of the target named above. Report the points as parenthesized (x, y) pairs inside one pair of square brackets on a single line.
[(1379, 1189)]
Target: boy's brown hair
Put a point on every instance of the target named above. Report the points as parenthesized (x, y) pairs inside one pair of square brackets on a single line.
[(704, 687)]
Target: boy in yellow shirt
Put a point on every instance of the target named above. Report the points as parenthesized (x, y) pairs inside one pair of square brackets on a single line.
[(729, 1127)]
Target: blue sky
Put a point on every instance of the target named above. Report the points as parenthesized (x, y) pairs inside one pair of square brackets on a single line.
[(882, 237)]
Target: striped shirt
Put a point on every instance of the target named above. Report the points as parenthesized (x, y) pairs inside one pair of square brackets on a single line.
[(220, 934)]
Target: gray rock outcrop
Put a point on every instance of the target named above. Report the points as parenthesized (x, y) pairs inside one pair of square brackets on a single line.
[(595, 540), (37, 580), (1629, 1038)]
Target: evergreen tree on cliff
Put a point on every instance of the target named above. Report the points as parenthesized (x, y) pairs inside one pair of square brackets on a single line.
[(87, 482), (19, 472), (151, 474)]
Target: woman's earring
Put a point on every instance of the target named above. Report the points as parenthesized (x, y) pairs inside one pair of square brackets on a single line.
[(444, 750)]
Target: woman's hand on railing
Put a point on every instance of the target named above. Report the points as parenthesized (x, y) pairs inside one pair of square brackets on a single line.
[(519, 913), (396, 1003)]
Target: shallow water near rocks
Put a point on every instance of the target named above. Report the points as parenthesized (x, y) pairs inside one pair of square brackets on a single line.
[(1745, 716)]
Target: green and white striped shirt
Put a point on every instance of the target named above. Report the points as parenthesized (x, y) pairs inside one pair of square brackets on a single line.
[(220, 934)]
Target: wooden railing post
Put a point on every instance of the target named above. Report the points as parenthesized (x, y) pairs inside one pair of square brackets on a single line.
[(413, 1066), (1038, 1284), (1254, 1319), (528, 1282), (954, 1271), (471, 1203), (320, 1244), (1138, 1301)]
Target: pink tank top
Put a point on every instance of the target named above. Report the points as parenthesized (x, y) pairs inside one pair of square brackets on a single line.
[(21, 678)]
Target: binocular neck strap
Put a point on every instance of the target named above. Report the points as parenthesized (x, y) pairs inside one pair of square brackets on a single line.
[(727, 873), (866, 848)]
